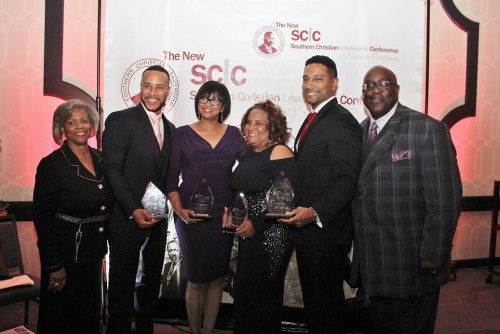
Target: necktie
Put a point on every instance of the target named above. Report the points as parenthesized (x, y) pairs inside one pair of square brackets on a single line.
[(373, 132), (171, 272), (308, 122), (156, 127)]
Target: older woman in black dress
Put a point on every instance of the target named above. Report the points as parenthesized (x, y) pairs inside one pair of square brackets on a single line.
[(71, 206), (265, 244)]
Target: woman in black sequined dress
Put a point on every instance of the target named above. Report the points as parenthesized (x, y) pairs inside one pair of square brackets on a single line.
[(265, 245)]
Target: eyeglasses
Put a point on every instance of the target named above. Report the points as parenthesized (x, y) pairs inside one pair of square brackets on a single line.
[(382, 84), (215, 101)]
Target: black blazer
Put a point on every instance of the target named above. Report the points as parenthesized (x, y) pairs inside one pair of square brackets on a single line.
[(64, 185), (132, 158), (329, 159)]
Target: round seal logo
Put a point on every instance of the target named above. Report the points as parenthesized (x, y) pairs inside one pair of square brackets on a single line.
[(268, 41), (131, 81)]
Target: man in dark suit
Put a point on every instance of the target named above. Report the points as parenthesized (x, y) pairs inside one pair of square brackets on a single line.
[(173, 281), (407, 206), (328, 152), (136, 146)]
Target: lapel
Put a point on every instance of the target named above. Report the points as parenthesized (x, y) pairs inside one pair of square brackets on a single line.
[(80, 170), (297, 146), (382, 143), (297, 137)]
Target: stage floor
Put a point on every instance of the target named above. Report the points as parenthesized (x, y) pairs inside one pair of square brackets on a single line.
[(466, 305)]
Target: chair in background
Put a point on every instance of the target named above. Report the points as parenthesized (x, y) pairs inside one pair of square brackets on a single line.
[(10, 250)]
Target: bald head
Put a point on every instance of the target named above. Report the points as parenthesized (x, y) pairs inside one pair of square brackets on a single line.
[(380, 91)]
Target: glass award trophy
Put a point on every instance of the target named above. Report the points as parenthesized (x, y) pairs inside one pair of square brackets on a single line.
[(202, 201), (155, 202), (238, 211), (279, 198)]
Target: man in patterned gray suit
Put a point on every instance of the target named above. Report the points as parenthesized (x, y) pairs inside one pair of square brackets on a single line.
[(406, 209)]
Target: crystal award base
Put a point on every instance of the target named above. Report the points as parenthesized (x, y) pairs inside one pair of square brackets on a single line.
[(278, 215)]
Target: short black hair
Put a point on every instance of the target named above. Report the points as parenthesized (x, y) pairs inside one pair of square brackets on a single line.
[(157, 68), (327, 61), (214, 87)]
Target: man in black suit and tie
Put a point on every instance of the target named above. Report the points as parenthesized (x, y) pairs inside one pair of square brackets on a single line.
[(328, 152), (136, 147), (407, 206)]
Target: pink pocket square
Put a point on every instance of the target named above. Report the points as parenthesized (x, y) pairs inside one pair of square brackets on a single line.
[(401, 155)]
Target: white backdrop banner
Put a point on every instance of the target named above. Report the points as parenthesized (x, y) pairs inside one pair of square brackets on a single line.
[(223, 40), (219, 40)]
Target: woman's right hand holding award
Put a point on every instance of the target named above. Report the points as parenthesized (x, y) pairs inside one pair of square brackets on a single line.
[(236, 214), (201, 202), (188, 216)]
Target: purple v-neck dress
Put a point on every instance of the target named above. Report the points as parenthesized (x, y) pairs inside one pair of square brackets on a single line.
[(204, 248)]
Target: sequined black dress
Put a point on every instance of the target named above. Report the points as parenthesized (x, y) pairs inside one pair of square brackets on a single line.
[(262, 259)]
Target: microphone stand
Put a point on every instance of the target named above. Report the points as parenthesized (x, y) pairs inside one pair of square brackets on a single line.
[(98, 98)]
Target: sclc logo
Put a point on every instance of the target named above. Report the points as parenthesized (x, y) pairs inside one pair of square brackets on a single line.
[(306, 35), (219, 73)]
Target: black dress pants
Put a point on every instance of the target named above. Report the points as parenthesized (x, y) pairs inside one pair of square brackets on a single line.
[(322, 269), (411, 315), (134, 280)]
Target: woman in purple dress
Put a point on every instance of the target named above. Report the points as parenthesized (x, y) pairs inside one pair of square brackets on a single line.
[(204, 151)]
